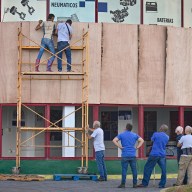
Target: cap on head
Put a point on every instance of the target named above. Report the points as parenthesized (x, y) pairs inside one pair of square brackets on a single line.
[(179, 130)]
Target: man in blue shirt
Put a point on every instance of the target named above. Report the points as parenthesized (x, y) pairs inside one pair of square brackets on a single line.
[(128, 146), (157, 156)]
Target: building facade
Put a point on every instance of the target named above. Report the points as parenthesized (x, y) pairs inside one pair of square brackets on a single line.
[(136, 76)]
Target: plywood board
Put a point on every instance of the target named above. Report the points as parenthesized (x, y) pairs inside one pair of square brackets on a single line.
[(9, 60), (178, 89), (119, 67), (71, 90), (26, 85), (42, 91), (152, 54), (94, 62)]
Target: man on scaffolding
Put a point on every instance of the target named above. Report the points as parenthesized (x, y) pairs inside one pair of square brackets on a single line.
[(64, 31), (47, 41)]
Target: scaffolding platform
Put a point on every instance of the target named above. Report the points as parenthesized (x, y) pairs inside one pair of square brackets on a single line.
[(74, 177), (15, 177)]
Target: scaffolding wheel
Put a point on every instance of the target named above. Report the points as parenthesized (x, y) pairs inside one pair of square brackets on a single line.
[(16, 170)]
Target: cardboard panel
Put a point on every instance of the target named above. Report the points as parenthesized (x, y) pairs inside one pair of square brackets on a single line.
[(71, 90), (178, 67), (42, 91), (119, 67), (94, 62), (9, 61), (152, 54)]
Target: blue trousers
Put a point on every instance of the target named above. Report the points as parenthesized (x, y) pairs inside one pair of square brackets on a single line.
[(124, 164), (101, 164), (48, 44), (149, 166), (61, 45)]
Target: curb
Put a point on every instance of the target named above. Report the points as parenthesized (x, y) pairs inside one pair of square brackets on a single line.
[(118, 177)]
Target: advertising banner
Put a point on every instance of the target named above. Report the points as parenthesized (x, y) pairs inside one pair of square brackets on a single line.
[(23, 10), (76, 10), (119, 11), (187, 13), (162, 12)]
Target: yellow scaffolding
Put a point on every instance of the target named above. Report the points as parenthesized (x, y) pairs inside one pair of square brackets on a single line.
[(82, 75)]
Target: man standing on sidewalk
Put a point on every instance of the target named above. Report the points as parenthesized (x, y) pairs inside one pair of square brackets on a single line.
[(128, 146), (185, 163), (99, 147), (157, 156), (179, 132), (64, 31)]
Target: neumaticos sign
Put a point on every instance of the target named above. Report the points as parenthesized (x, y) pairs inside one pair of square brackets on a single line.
[(58, 4), (76, 10)]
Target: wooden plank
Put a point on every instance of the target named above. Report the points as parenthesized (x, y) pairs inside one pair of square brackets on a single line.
[(119, 67), (152, 54), (38, 47), (94, 62), (6, 177), (178, 71), (48, 90), (70, 91), (9, 60), (52, 73)]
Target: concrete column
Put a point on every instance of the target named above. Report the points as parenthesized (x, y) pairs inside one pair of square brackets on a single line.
[(141, 129), (68, 122)]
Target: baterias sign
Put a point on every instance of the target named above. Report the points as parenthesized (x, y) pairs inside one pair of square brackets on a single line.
[(162, 12)]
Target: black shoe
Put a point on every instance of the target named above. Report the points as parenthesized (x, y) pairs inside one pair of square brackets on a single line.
[(101, 179), (121, 186), (134, 185), (175, 184), (141, 186)]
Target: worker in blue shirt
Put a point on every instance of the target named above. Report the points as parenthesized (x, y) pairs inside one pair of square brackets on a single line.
[(130, 142), (157, 156)]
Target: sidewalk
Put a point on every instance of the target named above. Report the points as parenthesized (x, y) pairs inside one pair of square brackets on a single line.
[(77, 186)]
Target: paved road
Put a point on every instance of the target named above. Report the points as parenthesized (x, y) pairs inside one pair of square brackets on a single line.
[(76, 186)]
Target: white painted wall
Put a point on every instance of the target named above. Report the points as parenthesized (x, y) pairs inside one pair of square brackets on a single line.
[(68, 140), (9, 134)]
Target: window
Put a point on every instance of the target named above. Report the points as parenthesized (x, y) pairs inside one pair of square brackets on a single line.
[(109, 121), (150, 124)]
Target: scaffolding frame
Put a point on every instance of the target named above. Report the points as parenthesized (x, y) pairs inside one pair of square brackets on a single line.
[(82, 76)]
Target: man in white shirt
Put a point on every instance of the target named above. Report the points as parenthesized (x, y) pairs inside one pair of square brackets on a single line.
[(64, 31), (185, 163), (99, 147)]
